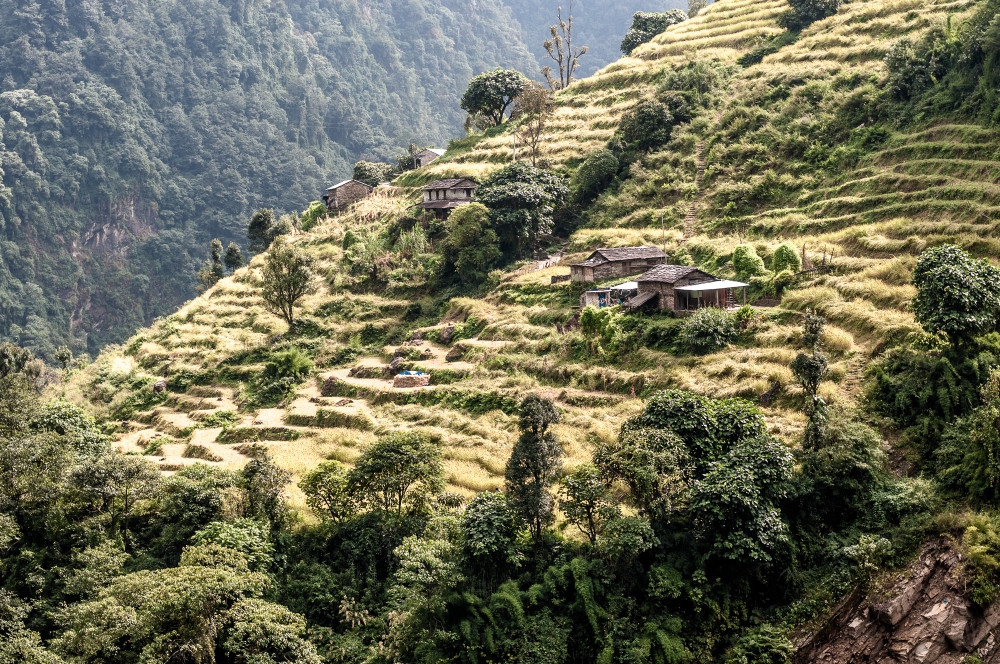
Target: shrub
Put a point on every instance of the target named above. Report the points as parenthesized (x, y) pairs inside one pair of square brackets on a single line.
[(646, 25), (708, 330), (803, 13), (594, 175), (646, 125), (746, 263), (786, 258)]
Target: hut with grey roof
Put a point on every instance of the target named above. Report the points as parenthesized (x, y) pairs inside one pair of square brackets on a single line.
[(684, 288), (608, 263)]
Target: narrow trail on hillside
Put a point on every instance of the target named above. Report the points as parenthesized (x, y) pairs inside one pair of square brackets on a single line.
[(691, 219)]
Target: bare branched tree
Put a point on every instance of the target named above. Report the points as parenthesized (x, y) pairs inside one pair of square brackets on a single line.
[(560, 48), (532, 109)]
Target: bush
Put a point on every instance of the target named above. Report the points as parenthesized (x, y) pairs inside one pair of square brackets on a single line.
[(803, 13), (708, 330), (594, 175), (646, 125), (786, 257), (373, 172), (646, 25), (746, 263)]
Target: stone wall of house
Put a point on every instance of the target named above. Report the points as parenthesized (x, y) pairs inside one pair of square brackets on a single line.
[(349, 193)]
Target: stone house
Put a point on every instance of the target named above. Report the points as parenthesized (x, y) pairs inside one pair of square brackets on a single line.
[(426, 156), (616, 262), (684, 288), (443, 196), (343, 194)]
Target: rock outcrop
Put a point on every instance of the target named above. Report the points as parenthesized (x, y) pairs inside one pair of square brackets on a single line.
[(923, 618)]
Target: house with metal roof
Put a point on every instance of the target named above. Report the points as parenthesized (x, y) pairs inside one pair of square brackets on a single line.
[(684, 288), (607, 263), (443, 196), (342, 194)]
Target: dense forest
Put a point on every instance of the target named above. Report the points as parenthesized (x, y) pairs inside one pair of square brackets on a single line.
[(131, 134)]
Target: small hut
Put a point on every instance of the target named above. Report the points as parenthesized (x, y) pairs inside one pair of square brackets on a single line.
[(616, 262), (685, 288), (426, 156), (342, 194)]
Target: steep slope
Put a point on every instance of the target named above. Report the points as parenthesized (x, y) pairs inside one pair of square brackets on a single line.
[(131, 134)]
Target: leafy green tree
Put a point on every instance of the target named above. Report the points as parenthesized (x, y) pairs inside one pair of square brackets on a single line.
[(287, 277), (653, 464), (472, 245), (534, 465), (803, 13), (259, 230), (212, 270), (957, 295), (594, 175), (969, 456), (261, 632), (646, 25), (263, 483), (19, 645), (489, 529), (736, 505), (64, 356), (646, 125), (490, 94), (113, 484), (810, 370), (522, 201), (234, 257), (327, 493), (746, 263), (373, 172), (585, 500), (249, 537), (786, 257), (400, 472)]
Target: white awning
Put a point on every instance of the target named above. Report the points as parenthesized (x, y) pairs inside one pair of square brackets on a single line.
[(628, 285), (713, 285)]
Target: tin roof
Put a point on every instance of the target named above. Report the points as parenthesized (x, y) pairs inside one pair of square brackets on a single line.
[(452, 183), (615, 254)]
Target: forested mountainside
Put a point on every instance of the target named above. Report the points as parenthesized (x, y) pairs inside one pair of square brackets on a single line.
[(598, 25), (432, 453), (132, 133)]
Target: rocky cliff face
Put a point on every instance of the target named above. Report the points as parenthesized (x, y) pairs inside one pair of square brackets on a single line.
[(924, 617)]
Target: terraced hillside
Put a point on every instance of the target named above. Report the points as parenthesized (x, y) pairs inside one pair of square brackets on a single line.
[(778, 165)]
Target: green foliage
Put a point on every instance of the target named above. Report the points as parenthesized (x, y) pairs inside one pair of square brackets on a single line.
[(803, 13), (652, 463), (956, 295), (490, 94), (472, 247), (310, 216), (594, 175), (969, 456), (585, 500), (373, 172), (646, 25), (746, 263), (287, 277), (763, 645), (786, 257), (250, 538), (325, 487), (399, 473), (981, 546), (522, 201), (534, 465), (709, 329), (646, 125), (234, 257), (259, 230)]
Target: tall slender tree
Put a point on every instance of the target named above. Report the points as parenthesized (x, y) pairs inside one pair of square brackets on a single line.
[(560, 48)]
